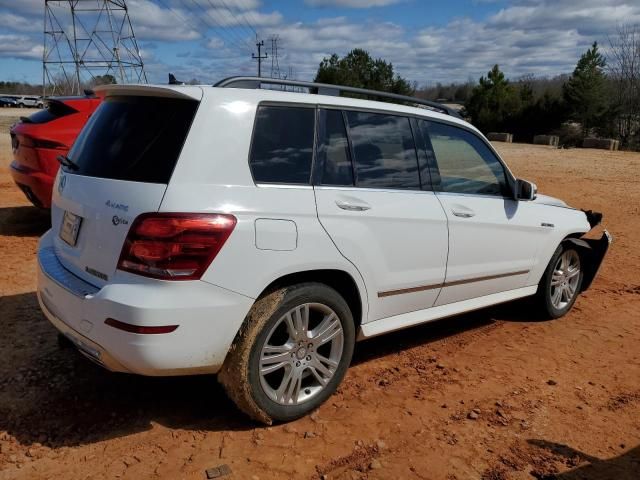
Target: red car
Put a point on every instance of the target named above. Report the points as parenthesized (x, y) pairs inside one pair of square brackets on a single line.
[(37, 141)]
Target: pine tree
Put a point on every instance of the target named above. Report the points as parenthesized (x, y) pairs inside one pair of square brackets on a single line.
[(493, 101), (359, 69), (585, 92)]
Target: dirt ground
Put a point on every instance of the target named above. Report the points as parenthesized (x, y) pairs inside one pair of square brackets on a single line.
[(496, 394)]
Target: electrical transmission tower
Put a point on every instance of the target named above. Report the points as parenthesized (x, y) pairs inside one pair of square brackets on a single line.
[(275, 65), (88, 42)]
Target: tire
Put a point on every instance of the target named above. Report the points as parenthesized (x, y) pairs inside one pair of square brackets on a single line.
[(297, 381), (561, 283), (21, 105)]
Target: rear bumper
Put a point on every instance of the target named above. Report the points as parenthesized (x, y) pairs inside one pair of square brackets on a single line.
[(36, 185), (208, 317)]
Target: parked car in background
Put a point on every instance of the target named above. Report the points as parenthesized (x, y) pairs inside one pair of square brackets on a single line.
[(259, 233), (30, 101), (38, 139), (7, 101)]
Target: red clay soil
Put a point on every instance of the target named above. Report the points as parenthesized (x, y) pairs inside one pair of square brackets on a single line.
[(496, 394)]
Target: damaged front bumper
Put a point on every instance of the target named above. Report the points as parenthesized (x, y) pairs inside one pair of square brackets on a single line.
[(594, 246)]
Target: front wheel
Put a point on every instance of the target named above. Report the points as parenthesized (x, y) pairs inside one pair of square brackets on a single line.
[(291, 354), (561, 282)]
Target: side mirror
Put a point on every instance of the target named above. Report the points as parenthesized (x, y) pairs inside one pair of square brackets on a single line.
[(526, 190)]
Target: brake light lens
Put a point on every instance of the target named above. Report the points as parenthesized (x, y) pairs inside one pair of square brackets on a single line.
[(174, 246), (49, 144), (28, 141)]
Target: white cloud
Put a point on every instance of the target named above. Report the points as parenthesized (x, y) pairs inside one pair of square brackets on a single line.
[(17, 23), (542, 37), (153, 22), (351, 3), (224, 17), (20, 46)]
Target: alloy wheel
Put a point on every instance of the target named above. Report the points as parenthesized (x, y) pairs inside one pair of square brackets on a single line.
[(565, 278), (301, 353)]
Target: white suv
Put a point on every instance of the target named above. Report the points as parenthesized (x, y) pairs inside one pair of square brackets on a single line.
[(29, 101), (258, 233)]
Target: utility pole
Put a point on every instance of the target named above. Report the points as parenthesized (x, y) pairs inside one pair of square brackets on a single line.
[(260, 57)]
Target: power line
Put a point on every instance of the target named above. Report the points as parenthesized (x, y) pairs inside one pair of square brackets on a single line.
[(189, 25), (231, 38), (251, 29), (252, 19)]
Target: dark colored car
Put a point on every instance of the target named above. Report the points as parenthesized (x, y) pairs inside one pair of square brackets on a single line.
[(39, 139), (8, 102)]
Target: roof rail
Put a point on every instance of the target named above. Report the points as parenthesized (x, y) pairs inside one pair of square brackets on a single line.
[(333, 90)]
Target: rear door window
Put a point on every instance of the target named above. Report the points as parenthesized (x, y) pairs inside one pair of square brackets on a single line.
[(384, 151), (282, 147), (134, 138), (333, 156)]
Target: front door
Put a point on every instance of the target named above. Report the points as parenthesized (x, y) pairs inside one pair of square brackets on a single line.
[(493, 238)]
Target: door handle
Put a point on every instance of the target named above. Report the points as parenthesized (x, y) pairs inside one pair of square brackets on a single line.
[(352, 207), (462, 214)]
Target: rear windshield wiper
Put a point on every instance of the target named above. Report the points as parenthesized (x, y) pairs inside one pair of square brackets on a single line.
[(67, 162)]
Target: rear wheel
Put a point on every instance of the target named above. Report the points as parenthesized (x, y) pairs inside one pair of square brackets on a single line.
[(561, 282), (291, 354)]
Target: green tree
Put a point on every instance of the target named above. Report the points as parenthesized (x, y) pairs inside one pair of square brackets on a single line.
[(493, 101), (103, 80), (359, 69), (585, 91)]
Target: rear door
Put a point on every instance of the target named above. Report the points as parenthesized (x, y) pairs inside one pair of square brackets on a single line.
[(493, 238), (124, 158), (378, 211)]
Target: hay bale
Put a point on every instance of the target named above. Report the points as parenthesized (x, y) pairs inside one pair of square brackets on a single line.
[(601, 143), (552, 140), (500, 137)]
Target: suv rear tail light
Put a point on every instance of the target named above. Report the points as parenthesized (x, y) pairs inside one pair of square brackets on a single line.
[(174, 246)]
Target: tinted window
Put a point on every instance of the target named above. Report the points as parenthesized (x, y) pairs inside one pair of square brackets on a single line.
[(52, 111), (333, 150), (133, 138), (283, 145), (465, 163), (385, 155)]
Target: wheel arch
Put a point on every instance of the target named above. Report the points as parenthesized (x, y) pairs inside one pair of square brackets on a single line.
[(591, 251), (339, 280)]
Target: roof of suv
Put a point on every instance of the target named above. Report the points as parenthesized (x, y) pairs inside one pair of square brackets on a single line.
[(257, 95)]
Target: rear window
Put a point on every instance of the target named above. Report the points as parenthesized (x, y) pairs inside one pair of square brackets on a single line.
[(132, 138), (282, 147), (52, 111)]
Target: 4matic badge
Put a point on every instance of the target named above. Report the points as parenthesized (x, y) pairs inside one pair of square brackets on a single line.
[(117, 206)]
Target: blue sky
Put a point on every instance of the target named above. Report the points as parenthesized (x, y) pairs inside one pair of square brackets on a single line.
[(427, 41)]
